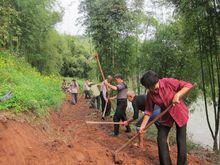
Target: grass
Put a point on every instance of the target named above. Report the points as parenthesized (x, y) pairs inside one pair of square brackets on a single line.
[(31, 90)]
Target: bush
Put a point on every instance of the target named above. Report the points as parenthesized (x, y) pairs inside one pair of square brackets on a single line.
[(31, 90)]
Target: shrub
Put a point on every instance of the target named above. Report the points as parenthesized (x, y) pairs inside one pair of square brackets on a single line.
[(31, 90)]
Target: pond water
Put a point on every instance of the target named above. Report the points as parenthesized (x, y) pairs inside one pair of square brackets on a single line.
[(197, 128)]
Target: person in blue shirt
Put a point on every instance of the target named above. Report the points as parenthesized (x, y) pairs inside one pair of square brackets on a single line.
[(138, 104)]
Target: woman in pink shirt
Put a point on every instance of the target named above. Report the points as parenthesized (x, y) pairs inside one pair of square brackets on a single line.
[(74, 90), (164, 92)]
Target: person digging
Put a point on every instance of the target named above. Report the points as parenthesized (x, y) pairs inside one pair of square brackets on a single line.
[(120, 113), (104, 95), (164, 92), (138, 104)]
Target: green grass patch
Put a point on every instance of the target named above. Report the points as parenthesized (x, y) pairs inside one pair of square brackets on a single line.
[(31, 90)]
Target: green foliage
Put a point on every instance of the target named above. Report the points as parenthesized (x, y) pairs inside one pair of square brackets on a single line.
[(31, 90), (170, 55), (77, 55), (9, 28), (111, 24), (27, 27), (201, 27)]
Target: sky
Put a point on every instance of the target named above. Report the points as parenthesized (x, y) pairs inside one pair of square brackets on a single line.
[(69, 24)]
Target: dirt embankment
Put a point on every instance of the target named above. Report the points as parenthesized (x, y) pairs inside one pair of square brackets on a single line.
[(64, 138)]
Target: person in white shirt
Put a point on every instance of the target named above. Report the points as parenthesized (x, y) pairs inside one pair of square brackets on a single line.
[(104, 96), (95, 98), (74, 90), (86, 88)]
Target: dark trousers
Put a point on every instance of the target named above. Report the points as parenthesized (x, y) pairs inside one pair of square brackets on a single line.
[(95, 102), (120, 114), (74, 98), (108, 108), (163, 149), (87, 94)]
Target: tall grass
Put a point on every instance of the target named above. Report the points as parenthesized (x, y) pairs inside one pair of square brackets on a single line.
[(31, 90)]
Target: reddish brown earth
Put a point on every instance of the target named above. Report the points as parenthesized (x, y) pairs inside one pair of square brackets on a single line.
[(64, 138)]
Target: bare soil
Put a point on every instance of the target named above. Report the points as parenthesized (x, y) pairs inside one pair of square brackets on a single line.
[(65, 139)]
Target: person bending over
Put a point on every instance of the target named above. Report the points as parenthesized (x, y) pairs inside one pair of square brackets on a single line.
[(164, 92), (138, 104)]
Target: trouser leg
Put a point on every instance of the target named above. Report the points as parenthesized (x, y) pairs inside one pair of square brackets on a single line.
[(120, 114), (124, 118), (73, 98), (163, 149), (85, 94), (88, 95), (108, 109), (181, 145), (76, 97), (103, 101), (92, 102), (98, 102), (116, 118)]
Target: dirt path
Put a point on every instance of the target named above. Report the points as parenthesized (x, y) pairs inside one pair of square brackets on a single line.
[(65, 139)]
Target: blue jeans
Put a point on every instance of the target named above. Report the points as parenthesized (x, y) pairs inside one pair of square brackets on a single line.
[(156, 112)]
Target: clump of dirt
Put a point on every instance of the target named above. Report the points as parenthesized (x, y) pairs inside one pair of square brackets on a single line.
[(65, 138)]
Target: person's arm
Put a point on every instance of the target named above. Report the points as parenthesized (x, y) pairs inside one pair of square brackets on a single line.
[(149, 108), (111, 86), (144, 123), (181, 87), (179, 95), (135, 115)]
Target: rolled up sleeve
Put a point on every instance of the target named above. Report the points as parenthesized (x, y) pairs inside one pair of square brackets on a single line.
[(178, 84), (149, 106), (120, 87)]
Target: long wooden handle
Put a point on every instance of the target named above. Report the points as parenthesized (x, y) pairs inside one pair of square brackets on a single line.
[(100, 67), (147, 126), (100, 122)]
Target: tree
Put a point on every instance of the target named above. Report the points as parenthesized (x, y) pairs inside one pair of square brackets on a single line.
[(111, 26), (75, 52), (9, 28), (202, 28), (27, 27), (170, 55)]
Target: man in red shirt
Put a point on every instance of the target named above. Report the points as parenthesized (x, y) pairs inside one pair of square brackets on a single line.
[(164, 92)]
